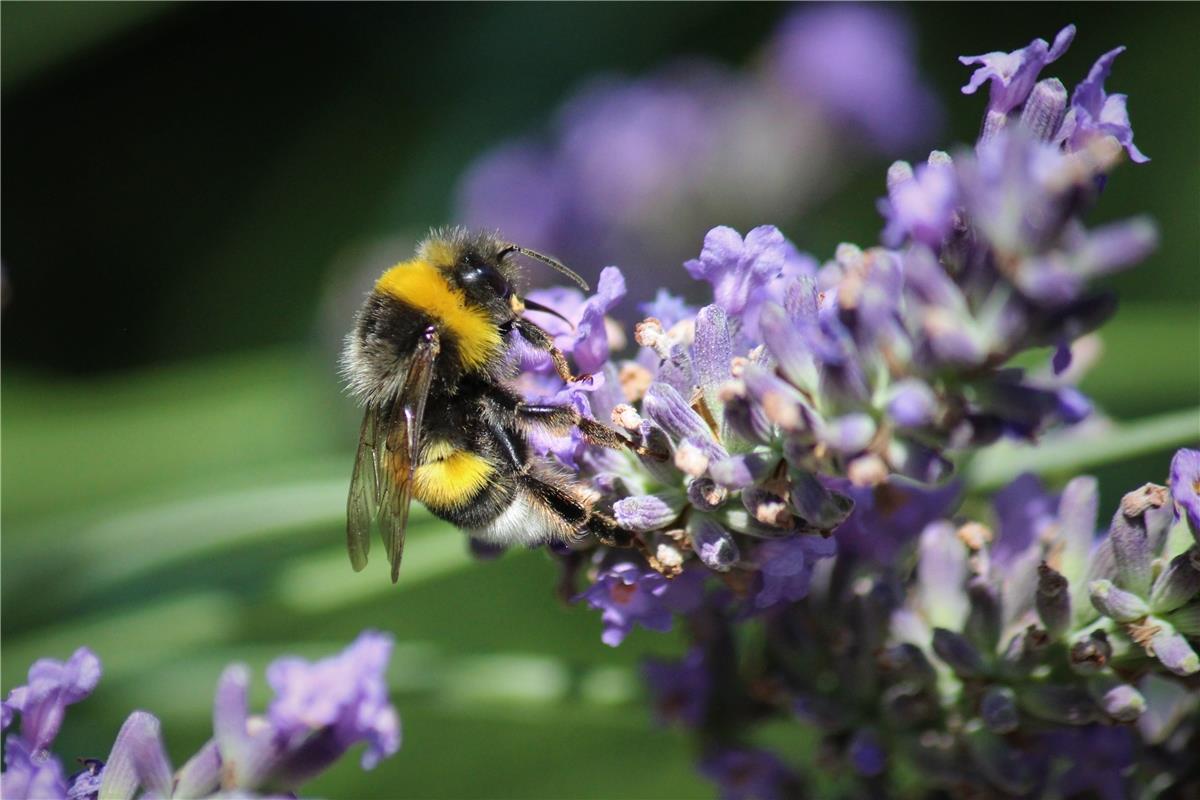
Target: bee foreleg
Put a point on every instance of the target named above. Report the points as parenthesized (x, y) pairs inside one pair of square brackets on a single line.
[(542, 340)]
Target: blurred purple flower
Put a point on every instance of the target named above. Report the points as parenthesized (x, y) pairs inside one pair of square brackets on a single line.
[(749, 774), (1093, 761), (1095, 113), (1025, 513), (858, 63), (679, 689), (786, 566), (667, 308), (344, 694), (1013, 74), (53, 685), (889, 517)]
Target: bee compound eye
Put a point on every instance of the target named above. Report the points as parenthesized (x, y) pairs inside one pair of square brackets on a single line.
[(486, 275)]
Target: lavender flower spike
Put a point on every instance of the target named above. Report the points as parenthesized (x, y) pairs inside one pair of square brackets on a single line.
[(1014, 74)]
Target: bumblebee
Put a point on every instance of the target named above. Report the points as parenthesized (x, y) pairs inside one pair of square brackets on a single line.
[(429, 360)]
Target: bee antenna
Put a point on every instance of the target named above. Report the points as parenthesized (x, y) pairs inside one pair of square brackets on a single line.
[(532, 305), (553, 263)]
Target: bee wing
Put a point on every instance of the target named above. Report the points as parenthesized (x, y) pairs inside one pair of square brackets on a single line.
[(397, 459), (364, 490)]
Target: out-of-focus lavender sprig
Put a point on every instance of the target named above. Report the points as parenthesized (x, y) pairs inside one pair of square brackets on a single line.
[(320, 710), (636, 169)]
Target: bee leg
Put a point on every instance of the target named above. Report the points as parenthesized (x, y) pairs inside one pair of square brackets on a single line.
[(537, 337), (560, 418)]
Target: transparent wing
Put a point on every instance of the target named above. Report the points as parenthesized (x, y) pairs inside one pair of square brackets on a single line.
[(364, 491), (400, 450)]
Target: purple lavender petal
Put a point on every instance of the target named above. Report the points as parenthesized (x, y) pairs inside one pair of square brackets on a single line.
[(346, 693), (30, 775), (138, 759), (749, 775), (679, 689), (1025, 512), (52, 686), (628, 594), (922, 207), (1095, 113), (786, 566), (740, 471), (911, 403), (1185, 487), (885, 518), (735, 267), (667, 308), (1013, 75), (201, 775)]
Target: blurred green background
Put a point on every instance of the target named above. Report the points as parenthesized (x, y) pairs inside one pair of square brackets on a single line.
[(183, 188)]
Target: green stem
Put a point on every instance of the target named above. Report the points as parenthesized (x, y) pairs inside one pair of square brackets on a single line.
[(1071, 452)]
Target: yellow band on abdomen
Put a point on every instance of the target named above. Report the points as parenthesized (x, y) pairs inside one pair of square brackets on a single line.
[(423, 286), (451, 481)]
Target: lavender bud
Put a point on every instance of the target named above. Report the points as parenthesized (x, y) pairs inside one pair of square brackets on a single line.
[(1045, 109), (1174, 652), (993, 123), (984, 617), (647, 512), (1090, 653), (899, 172), (941, 572), (690, 458), (1053, 601), (1115, 603), (705, 494), (1065, 704), (786, 343), (665, 406), (712, 352), (780, 401), (1131, 548), (998, 709), (907, 662), (767, 507), (1119, 700), (822, 508), (848, 434), (738, 472), (744, 418), (657, 456), (958, 653), (911, 403), (713, 544), (1178, 584)]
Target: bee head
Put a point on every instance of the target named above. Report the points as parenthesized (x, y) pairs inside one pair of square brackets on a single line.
[(484, 268)]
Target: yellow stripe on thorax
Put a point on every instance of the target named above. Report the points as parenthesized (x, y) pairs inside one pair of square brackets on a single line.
[(423, 286), (449, 478)]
